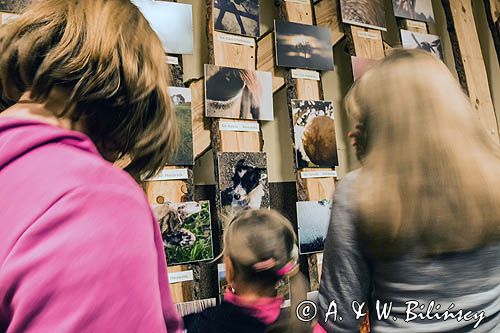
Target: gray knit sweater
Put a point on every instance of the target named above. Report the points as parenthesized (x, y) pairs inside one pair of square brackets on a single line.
[(470, 281)]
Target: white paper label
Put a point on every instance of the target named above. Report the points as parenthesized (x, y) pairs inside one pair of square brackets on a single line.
[(178, 277), (172, 60), (319, 258), (305, 74), (318, 174), (239, 126), (368, 34), (234, 39), (170, 174), (221, 267), (304, 2), (286, 304)]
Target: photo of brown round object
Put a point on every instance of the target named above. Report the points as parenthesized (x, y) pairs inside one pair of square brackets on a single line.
[(319, 141)]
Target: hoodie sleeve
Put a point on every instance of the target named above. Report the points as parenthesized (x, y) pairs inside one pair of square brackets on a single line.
[(92, 262), (346, 275)]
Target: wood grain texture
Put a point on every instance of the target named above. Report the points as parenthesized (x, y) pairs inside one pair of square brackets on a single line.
[(470, 62), (201, 125), (233, 55), (182, 291), (365, 43), (326, 15), (232, 141), (415, 26), (161, 191), (298, 13), (267, 63), (317, 189), (308, 89)]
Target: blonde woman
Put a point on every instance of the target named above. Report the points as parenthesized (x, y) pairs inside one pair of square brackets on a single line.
[(82, 83), (417, 228)]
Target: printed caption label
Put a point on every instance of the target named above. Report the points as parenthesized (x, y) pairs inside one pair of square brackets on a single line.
[(172, 60), (305, 74), (303, 2), (318, 174), (178, 277), (238, 126), (368, 34), (233, 39), (170, 174)]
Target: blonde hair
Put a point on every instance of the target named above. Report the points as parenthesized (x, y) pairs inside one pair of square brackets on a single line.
[(431, 172), (111, 62)]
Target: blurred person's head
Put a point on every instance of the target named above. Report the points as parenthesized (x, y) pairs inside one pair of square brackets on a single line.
[(430, 170), (109, 66), (260, 249)]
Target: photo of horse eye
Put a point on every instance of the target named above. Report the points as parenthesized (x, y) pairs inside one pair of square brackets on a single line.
[(303, 46), (364, 13), (313, 218), (240, 17), (426, 42), (419, 10)]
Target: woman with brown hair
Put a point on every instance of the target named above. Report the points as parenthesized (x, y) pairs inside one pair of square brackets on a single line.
[(82, 84), (417, 228)]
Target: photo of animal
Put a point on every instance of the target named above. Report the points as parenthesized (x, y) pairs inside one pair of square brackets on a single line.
[(238, 93), (172, 22), (314, 134), (239, 17), (426, 42), (186, 231), (303, 46), (313, 219), (419, 10), (365, 13), (181, 98), (243, 182), (360, 66)]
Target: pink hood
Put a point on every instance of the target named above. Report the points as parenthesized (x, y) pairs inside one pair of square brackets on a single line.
[(80, 250)]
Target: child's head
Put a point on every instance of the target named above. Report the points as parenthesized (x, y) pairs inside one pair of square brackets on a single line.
[(260, 246)]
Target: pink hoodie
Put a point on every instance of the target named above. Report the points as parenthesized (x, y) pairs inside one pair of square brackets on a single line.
[(80, 249)]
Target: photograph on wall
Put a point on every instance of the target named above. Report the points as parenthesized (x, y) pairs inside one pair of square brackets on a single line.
[(364, 13), (181, 98), (221, 278), (240, 17), (172, 22), (303, 46), (426, 42), (313, 219), (238, 93), (314, 134), (418, 10), (243, 182), (360, 66), (186, 231)]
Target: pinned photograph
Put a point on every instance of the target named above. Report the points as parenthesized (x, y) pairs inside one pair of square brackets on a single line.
[(186, 231), (418, 10), (181, 98), (361, 65), (313, 218), (303, 46), (426, 42), (243, 182), (239, 17), (314, 134), (238, 93), (222, 281), (172, 22), (364, 13)]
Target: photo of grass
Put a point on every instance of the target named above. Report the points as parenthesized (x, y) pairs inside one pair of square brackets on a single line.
[(240, 17), (364, 13), (313, 218), (314, 134), (419, 10), (426, 42), (186, 231), (181, 98)]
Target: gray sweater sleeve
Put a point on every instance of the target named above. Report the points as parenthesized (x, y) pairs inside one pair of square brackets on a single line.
[(346, 273)]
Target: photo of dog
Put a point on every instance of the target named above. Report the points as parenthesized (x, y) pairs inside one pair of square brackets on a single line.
[(181, 98), (419, 10), (303, 46), (238, 93), (426, 42), (365, 13), (243, 182), (172, 22), (239, 17), (314, 134), (313, 219), (186, 231), (360, 66)]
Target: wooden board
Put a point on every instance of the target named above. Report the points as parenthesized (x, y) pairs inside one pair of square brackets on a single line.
[(469, 61), (415, 26), (267, 63), (181, 291), (367, 43), (317, 189), (161, 191), (298, 13), (232, 141), (201, 125), (326, 15), (233, 55), (308, 89)]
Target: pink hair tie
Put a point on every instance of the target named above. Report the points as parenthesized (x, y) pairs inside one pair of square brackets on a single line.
[(264, 265), (286, 269)]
